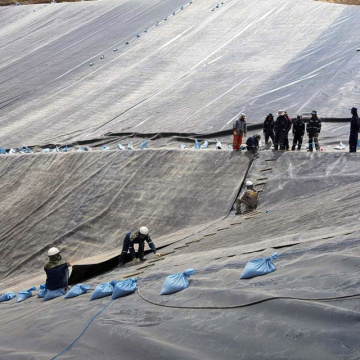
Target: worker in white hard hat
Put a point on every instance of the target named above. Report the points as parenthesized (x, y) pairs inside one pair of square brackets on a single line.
[(249, 198), (139, 237), (57, 271)]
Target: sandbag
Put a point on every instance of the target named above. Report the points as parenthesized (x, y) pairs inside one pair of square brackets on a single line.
[(123, 288), (52, 294), (42, 291), (259, 267), (77, 290), (25, 294), (176, 282), (104, 289), (7, 296)]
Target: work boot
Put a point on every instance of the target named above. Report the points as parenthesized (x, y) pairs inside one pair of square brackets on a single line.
[(121, 261), (293, 148), (143, 259), (276, 147), (299, 147)]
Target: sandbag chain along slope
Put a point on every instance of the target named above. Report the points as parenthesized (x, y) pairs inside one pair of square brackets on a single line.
[(259, 267), (77, 290), (25, 294), (7, 296), (176, 282), (52, 294)]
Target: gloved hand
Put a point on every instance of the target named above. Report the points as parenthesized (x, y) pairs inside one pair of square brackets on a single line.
[(158, 254), (234, 132), (135, 261)]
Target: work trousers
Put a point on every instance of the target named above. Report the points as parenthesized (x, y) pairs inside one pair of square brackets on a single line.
[(297, 141), (353, 139), (129, 244), (280, 138), (237, 141), (314, 138), (248, 207), (269, 134)]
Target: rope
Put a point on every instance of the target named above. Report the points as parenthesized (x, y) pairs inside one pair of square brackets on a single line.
[(82, 333), (245, 305)]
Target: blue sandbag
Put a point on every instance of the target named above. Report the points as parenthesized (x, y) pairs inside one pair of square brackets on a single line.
[(77, 290), (104, 289), (176, 282), (42, 291), (52, 294), (7, 296), (25, 294), (259, 267), (123, 288)]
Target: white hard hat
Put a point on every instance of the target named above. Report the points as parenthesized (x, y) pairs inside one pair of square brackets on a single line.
[(53, 251), (242, 115), (280, 112), (144, 230), (249, 183)]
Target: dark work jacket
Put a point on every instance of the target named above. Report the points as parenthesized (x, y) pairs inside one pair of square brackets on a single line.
[(282, 124), (136, 239), (253, 142), (269, 124), (313, 126), (298, 127), (354, 125), (57, 277)]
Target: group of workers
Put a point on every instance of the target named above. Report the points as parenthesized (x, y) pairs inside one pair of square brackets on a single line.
[(278, 131), (57, 269)]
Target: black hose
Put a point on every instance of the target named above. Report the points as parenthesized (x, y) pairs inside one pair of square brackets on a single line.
[(248, 304)]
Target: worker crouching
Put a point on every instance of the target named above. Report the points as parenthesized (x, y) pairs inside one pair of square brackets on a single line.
[(57, 271), (138, 237), (249, 198)]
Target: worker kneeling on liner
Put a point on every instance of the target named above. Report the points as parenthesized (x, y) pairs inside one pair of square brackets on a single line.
[(249, 198), (57, 271), (138, 237)]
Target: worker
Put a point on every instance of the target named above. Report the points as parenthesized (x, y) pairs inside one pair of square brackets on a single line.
[(138, 237), (268, 129), (313, 129), (239, 130), (354, 130), (249, 198), (298, 132), (289, 128), (252, 143), (281, 130), (57, 271)]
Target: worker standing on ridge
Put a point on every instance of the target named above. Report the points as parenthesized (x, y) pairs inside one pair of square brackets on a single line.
[(281, 129), (57, 271), (354, 130), (269, 125), (313, 129), (239, 130), (252, 143), (289, 128), (138, 237), (249, 198), (298, 132)]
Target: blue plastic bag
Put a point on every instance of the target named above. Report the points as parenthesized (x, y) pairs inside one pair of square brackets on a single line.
[(176, 282), (52, 294), (25, 294), (205, 145), (105, 147), (2, 151), (77, 290), (259, 267), (104, 289), (144, 144), (42, 291), (197, 145), (123, 288), (120, 147), (7, 296)]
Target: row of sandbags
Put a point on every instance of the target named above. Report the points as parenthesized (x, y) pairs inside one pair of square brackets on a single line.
[(172, 284)]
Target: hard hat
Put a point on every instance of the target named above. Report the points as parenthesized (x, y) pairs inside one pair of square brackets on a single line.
[(53, 251), (280, 112), (249, 183), (242, 115), (144, 230), (314, 112)]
